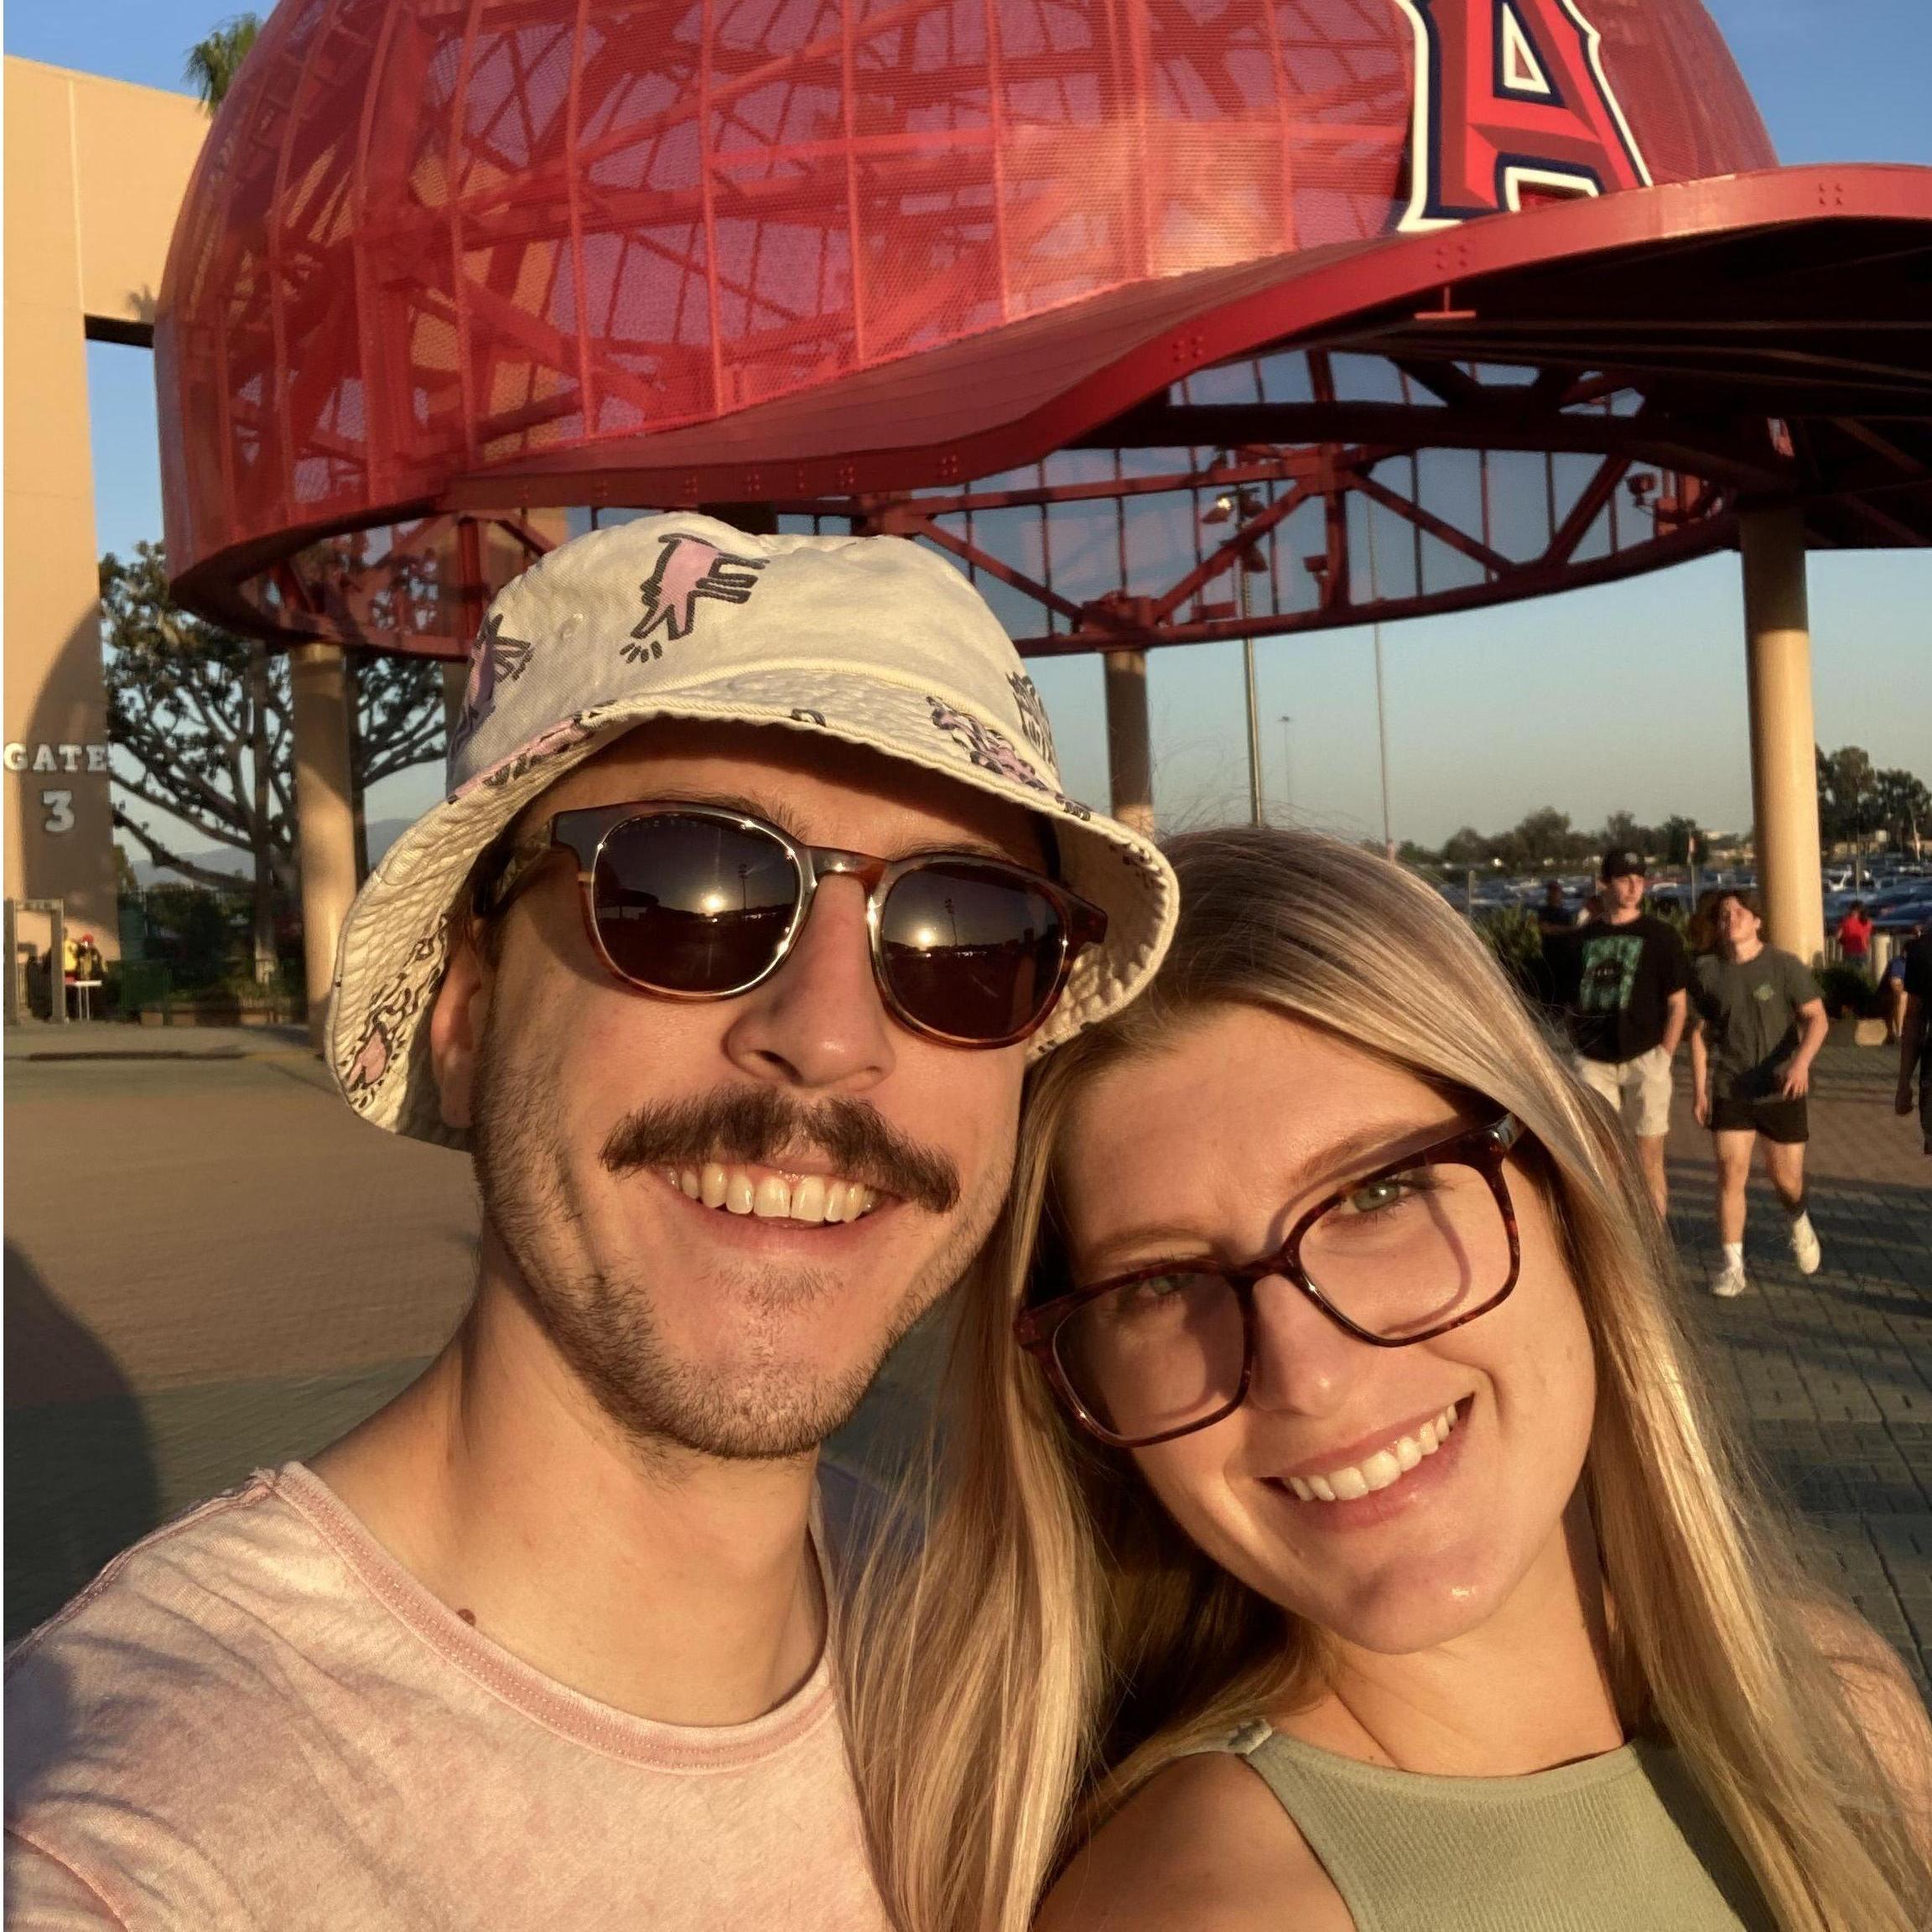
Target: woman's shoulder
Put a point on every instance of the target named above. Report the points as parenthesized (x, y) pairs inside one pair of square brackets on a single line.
[(1203, 1844)]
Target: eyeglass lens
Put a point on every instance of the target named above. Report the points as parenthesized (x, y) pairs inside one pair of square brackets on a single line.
[(969, 951), (692, 905), (1400, 1258)]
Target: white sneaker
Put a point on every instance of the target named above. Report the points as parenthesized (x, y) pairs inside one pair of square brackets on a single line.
[(1730, 1280), (1804, 1249)]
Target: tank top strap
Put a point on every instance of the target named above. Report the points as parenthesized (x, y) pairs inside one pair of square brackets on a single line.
[(1322, 1811)]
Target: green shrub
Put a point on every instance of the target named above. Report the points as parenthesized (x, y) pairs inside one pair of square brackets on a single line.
[(1512, 933), (1847, 990), (1513, 936)]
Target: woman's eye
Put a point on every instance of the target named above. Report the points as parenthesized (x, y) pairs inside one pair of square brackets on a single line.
[(1161, 1287), (1376, 1196)]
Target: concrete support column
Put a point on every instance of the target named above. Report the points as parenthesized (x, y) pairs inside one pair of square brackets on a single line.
[(1129, 759), (1784, 739), (324, 814)]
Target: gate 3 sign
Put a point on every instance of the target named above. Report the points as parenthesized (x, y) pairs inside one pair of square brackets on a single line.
[(57, 801)]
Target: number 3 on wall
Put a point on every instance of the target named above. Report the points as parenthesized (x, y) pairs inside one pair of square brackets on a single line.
[(58, 807)]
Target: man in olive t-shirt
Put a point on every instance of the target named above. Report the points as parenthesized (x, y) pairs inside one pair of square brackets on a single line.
[(1759, 1024)]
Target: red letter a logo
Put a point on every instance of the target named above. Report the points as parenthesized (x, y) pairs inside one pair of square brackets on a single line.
[(1511, 103)]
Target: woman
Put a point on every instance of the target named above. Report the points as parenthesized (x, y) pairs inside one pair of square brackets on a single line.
[(1459, 1561), (1759, 1023)]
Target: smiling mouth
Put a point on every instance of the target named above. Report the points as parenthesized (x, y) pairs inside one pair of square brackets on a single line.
[(1382, 1470), (811, 1200)]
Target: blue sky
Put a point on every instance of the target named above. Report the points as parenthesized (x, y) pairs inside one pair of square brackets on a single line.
[(1631, 696)]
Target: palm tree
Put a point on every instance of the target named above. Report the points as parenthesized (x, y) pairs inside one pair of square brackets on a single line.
[(214, 62)]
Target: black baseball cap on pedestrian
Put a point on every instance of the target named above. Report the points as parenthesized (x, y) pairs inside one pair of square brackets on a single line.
[(1619, 861)]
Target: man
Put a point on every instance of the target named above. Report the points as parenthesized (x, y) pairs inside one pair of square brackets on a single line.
[(1626, 999), (753, 892), (1916, 1034), (1554, 918), (1760, 1024)]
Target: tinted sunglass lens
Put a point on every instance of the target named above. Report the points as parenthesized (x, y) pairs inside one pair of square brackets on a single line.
[(970, 951), (693, 905)]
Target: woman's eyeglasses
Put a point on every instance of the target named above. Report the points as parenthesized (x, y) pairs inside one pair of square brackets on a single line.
[(1405, 1254), (691, 902)]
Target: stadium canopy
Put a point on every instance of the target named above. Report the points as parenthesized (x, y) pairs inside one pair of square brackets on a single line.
[(1170, 320)]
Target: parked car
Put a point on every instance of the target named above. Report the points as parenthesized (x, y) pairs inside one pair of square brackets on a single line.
[(1903, 915)]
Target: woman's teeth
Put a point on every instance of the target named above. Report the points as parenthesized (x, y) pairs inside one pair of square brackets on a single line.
[(1379, 1471), (809, 1197)]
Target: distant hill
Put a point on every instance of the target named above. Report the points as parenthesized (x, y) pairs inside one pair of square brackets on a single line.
[(383, 834)]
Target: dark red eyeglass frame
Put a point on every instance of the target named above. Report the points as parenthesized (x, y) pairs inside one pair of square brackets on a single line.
[(1486, 1148), (584, 832)]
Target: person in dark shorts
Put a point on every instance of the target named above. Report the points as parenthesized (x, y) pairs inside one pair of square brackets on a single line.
[(1622, 980), (1758, 1025), (1916, 1034)]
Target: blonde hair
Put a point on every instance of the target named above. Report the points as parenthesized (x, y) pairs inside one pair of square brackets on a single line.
[(1057, 1640)]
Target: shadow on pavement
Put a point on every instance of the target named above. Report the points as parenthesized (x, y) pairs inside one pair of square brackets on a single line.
[(80, 1480)]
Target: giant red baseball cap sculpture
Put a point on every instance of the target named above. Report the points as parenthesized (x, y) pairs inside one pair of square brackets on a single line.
[(1454, 300)]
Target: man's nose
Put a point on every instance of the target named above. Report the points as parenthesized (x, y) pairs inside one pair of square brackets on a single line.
[(818, 1021), (1305, 1363)]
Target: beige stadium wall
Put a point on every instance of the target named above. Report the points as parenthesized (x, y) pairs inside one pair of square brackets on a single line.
[(96, 171)]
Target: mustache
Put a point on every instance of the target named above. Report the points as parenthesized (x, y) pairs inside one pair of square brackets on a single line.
[(764, 1126)]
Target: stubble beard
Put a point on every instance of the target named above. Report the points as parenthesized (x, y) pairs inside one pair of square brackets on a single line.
[(766, 1406)]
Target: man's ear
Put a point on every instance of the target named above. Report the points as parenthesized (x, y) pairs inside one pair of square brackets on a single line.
[(456, 1024)]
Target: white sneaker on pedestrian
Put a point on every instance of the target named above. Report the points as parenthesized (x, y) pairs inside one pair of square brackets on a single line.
[(1729, 1280), (1804, 1249)]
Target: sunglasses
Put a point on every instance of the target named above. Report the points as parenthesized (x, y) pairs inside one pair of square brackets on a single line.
[(692, 902)]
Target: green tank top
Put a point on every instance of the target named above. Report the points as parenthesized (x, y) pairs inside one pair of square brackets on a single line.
[(1621, 1843)]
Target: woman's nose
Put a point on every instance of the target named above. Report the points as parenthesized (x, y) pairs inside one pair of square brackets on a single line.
[(1305, 1362)]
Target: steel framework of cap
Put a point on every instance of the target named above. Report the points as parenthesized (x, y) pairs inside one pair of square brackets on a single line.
[(1038, 280)]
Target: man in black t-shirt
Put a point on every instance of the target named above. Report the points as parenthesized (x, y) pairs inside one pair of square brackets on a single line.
[(1916, 1034), (1623, 982)]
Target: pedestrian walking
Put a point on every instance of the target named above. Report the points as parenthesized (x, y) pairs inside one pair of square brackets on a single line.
[(1625, 998), (1759, 1023), (1915, 1034), (1701, 928), (1855, 936), (1554, 918), (1892, 993)]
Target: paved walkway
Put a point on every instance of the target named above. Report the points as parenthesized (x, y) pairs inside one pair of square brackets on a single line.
[(212, 1264), (1832, 1376), (41, 1040)]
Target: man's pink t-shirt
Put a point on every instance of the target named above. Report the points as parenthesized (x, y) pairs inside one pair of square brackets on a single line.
[(257, 1718)]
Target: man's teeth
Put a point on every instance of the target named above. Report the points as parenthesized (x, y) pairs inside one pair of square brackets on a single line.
[(811, 1197), (1379, 1471)]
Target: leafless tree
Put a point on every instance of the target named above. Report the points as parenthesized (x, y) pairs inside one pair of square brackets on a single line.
[(201, 720)]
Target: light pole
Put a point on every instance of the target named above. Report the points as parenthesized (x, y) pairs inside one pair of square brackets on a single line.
[(1381, 709), (1287, 786), (1237, 507)]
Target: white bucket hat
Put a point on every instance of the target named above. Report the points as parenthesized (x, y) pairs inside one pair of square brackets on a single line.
[(872, 641)]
